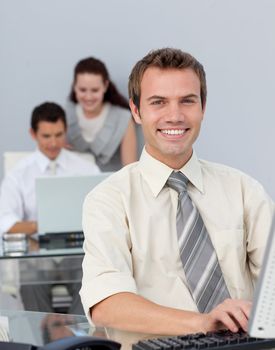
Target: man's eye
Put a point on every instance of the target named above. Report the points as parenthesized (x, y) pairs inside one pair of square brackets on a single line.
[(188, 101), (157, 102)]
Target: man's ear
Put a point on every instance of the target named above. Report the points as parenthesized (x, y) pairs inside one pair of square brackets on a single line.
[(203, 111), (32, 133), (135, 111)]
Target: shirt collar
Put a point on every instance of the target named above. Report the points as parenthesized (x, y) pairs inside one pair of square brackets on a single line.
[(43, 161), (156, 173)]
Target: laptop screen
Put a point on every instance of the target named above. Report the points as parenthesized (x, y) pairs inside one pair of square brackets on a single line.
[(60, 199)]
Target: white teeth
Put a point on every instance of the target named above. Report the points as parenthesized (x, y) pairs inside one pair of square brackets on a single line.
[(173, 132)]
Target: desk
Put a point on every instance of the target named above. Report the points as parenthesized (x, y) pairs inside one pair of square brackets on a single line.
[(40, 328), (37, 265), (34, 249)]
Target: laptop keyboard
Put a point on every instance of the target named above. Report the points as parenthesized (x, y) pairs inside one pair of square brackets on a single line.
[(68, 236), (212, 340), (61, 240)]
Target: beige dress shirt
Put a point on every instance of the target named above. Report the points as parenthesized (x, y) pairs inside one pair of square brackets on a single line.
[(129, 222)]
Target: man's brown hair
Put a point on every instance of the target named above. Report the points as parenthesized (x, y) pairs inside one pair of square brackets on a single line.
[(165, 58), (47, 112)]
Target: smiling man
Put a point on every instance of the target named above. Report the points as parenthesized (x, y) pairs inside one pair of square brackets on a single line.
[(173, 112), (173, 244), (18, 212)]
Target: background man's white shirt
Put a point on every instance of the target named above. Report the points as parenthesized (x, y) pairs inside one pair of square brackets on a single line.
[(17, 196)]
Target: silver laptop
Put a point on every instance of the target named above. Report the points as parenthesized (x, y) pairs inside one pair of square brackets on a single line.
[(60, 199), (262, 318)]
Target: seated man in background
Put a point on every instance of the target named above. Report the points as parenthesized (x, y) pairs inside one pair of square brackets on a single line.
[(18, 211), (173, 244)]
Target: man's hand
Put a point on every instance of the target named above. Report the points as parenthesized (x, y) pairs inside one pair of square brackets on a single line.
[(57, 326), (231, 314), (27, 227)]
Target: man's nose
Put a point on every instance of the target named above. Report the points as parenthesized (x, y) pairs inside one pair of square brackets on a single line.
[(175, 112), (53, 142)]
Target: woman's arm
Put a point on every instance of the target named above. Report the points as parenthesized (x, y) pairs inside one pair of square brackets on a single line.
[(128, 146), (75, 140)]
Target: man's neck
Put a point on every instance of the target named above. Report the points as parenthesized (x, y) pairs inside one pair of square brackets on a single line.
[(173, 162)]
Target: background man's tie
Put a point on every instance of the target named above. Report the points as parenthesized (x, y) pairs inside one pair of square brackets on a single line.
[(199, 259), (52, 167)]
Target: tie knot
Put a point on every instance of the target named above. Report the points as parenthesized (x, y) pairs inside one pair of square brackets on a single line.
[(178, 182)]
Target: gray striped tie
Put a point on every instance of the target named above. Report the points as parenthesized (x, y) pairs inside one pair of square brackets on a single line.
[(199, 260)]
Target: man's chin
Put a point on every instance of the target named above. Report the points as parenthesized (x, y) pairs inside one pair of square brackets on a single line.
[(52, 156), (173, 152), (177, 154)]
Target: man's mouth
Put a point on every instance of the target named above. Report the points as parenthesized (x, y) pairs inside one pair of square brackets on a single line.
[(173, 131)]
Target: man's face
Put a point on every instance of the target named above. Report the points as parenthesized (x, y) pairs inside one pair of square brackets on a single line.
[(50, 138), (170, 113)]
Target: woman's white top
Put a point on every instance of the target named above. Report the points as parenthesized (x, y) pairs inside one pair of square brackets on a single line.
[(91, 126)]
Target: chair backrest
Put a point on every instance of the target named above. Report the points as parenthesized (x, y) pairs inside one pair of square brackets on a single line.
[(12, 158)]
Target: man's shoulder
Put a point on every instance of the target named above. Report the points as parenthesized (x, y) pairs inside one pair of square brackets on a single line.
[(120, 181), (125, 176), (23, 164), (76, 156), (218, 167), (21, 172), (81, 162), (223, 171)]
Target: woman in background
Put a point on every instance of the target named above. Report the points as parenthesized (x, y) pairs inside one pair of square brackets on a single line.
[(99, 119)]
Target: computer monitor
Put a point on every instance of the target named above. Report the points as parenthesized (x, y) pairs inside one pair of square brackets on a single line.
[(60, 199), (262, 319)]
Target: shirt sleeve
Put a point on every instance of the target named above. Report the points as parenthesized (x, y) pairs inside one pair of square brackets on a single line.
[(11, 204), (107, 264)]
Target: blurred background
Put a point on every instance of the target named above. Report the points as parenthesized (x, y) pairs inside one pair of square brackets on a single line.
[(41, 41)]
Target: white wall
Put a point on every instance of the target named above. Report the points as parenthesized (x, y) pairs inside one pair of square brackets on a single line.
[(42, 40)]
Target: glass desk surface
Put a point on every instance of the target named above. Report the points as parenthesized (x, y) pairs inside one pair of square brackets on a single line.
[(33, 248), (39, 262), (40, 328)]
